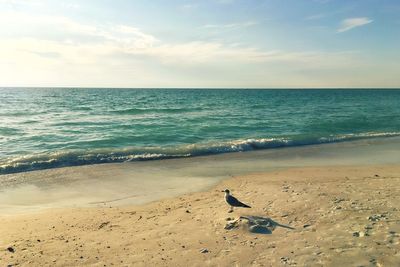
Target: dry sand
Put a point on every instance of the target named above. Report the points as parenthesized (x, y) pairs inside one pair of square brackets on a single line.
[(342, 215)]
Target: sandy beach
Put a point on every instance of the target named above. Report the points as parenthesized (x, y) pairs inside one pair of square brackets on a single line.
[(341, 215), (199, 133)]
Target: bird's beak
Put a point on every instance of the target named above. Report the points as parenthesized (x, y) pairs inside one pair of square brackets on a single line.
[(223, 191)]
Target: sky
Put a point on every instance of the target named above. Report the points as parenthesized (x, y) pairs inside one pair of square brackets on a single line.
[(200, 44)]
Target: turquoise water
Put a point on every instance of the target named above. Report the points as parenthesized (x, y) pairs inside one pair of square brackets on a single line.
[(46, 128)]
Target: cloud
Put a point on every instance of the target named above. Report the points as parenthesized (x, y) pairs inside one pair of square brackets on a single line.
[(22, 3), (225, 2), (45, 54), (65, 40), (59, 39), (351, 23), (316, 17), (188, 7), (70, 5), (230, 26), (57, 50), (63, 29)]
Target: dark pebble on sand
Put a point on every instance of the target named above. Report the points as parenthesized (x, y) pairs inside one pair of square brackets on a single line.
[(11, 249)]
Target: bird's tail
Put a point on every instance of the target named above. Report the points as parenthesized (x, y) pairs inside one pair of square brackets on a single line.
[(245, 206)]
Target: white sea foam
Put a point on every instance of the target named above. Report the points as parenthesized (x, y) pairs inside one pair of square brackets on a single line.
[(83, 157)]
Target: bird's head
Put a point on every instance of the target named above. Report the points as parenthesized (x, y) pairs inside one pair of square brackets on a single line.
[(226, 191)]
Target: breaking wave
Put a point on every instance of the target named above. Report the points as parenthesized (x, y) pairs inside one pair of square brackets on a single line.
[(97, 156)]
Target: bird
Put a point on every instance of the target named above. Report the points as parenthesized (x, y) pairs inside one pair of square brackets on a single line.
[(233, 202)]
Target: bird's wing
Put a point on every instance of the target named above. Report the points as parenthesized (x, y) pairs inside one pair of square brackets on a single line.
[(236, 203)]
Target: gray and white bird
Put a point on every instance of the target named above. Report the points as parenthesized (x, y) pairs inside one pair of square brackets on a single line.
[(233, 202)]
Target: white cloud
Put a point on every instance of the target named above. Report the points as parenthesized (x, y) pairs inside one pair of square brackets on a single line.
[(70, 5), (63, 29), (316, 16), (76, 43), (230, 26), (188, 7), (54, 50), (22, 2), (351, 23), (225, 2)]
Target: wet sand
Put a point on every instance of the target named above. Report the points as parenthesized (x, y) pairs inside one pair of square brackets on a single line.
[(135, 183)]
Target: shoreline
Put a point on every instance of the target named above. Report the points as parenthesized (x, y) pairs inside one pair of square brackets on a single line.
[(54, 160), (142, 182), (357, 221)]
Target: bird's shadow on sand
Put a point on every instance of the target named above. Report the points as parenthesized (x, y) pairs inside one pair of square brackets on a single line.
[(256, 224)]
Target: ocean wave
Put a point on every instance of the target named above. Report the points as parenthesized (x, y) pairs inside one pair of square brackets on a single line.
[(137, 111), (97, 156), (22, 113), (6, 131)]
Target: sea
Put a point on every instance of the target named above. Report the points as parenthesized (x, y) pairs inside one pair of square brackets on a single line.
[(42, 128)]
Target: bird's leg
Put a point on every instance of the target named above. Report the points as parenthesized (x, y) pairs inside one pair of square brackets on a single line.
[(231, 210)]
